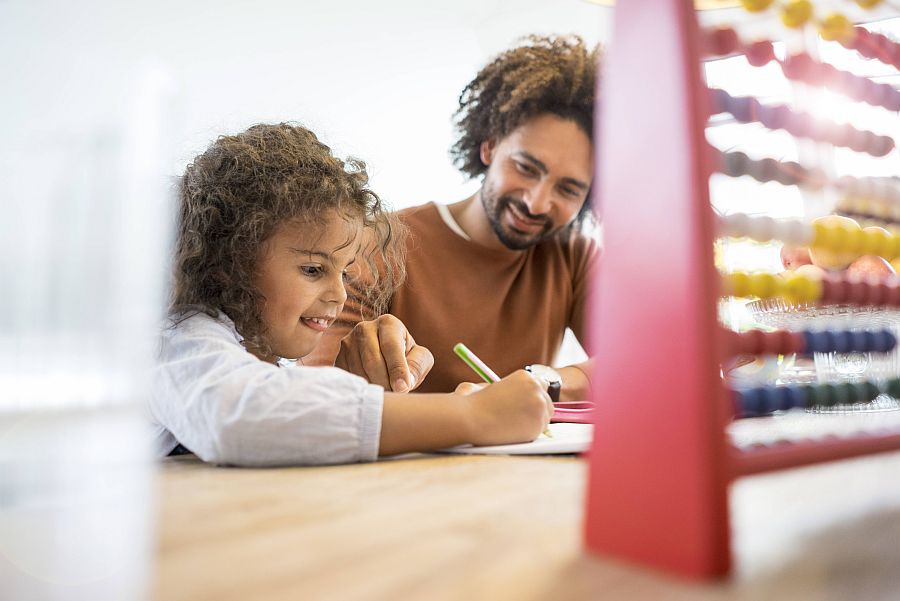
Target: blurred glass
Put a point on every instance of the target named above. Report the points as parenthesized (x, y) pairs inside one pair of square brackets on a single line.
[(836, 367), (83, 247)]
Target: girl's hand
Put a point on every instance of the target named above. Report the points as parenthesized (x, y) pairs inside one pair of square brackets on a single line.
[(467, 388), (515, 409)]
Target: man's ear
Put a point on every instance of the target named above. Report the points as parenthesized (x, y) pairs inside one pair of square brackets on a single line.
[(487, 151)]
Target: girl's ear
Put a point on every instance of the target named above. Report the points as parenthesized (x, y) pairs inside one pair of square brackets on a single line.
[(487, 151)]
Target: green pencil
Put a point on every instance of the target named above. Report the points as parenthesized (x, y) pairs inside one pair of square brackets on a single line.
[(480, 368)]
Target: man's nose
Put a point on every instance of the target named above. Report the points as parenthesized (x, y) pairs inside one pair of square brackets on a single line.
[(540, 200)]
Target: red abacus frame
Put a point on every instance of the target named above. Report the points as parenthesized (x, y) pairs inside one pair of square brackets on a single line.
[(661, 463)]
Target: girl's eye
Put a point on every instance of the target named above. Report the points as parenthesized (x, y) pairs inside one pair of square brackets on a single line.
[(311, 270)]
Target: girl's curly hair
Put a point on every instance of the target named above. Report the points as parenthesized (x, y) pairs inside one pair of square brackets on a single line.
[(547, 74), (234, 196)]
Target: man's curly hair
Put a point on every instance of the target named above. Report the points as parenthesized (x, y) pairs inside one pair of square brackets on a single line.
[(546, 74), (235, 195)]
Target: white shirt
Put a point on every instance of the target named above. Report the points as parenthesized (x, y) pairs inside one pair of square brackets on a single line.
[(228, 407)]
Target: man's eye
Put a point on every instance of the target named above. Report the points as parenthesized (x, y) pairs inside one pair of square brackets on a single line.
[(527, 169)]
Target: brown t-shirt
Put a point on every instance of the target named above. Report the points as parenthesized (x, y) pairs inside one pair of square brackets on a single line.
[(510, 307)]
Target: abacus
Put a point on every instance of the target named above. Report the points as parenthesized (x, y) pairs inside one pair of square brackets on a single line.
[(661, 462)]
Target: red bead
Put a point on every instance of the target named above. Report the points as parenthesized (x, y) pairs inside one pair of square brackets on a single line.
[(754, 342), (858, 291), (834, 290), (893, 299), (721, 41), (760, 53), (798, 342)]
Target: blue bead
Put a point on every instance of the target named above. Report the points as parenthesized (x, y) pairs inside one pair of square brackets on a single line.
[(768, 400), (841, 341), (781, 398), (859, 342), (873, 343), (885, 341), (816, 342), (751, 402), (797, 396)]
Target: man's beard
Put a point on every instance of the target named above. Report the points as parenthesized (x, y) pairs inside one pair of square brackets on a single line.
[(514, 240)]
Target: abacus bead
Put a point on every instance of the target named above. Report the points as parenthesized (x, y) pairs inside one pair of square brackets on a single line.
[(834, 290), (867, 4), (893, 388), (841, 340), (877, 293), (803, 125), (835, 27), (885, 341), (761, 228), (741, 108), (738, 224), (779, 117), (796, 232), (859, 342), (861, 392), (811, 341), (872, 341), (797, 343), (767, 400), (754, 6), (872, 390), (890, 340), (754, 341), (809, 392), (737, 284), (817, 395), (858, 291), (781, 396), (881, 146), (893, 296), (760, 53), (751, 401), (721, 41), (844, 393), (764, 285), (827, 394), (797, 396), (853, 239), (796, 13)]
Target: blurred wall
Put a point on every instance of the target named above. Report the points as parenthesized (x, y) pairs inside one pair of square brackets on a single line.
[(378, 80)]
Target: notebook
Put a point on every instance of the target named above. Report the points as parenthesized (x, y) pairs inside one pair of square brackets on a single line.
[(567, 438)]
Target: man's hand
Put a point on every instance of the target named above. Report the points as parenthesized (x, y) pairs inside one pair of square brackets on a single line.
[(384, 352)]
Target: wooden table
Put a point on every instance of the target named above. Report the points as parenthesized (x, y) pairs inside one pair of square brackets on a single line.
[(493, 527)]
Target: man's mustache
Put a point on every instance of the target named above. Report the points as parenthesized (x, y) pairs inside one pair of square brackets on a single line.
[(523, 209)]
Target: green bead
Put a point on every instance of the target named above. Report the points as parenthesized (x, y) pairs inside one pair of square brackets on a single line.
[(844, 393), (827, 395)]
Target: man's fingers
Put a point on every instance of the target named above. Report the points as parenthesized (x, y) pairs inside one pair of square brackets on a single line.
[(420, 361), (392, 338)]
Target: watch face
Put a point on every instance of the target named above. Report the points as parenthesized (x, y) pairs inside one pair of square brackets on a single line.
[(545, 373)]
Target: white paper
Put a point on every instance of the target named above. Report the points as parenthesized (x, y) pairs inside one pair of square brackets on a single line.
[(567, 438)]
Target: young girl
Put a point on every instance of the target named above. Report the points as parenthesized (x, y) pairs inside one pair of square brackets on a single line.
[(270, 222)]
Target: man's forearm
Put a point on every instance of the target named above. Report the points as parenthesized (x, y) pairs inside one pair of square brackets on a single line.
[(576, 381)]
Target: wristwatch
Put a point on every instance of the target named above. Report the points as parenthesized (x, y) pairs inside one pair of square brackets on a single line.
[(550, 376)]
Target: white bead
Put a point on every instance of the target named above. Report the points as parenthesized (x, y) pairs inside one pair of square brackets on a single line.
[(796, 233), (735, 225), (762, 229)]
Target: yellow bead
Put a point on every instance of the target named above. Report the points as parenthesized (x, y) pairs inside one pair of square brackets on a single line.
[(799, 289), (755, 6), (867, 4), (854, 240), (823, 235), (737, 284), (765, 285), (836, 27), (894, 248), (796, 13), (877, 242)]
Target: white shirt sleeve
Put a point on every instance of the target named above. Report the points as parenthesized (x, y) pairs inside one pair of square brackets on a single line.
[(228, 407)]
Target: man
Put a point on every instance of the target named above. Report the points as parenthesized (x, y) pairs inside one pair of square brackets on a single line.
[(506, 270)]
